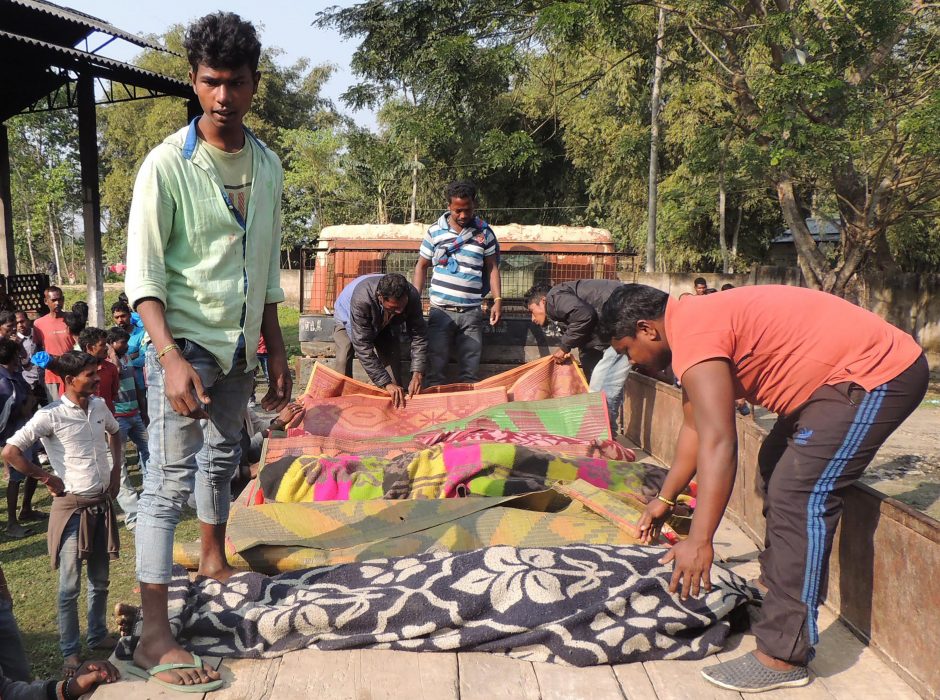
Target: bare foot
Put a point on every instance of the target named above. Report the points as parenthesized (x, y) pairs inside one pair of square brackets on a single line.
[(219, 573), (151, 653), (772, 662), (17, 532), (125, 615), (70, 665)]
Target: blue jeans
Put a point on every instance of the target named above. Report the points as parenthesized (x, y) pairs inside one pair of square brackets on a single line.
[(186, 453), (13, 659), (132, 427), (610, 376), (464, 331), (70, 585)]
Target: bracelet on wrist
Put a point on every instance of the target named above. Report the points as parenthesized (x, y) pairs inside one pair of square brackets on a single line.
[(168, 348), (660, 497), (63, 691)]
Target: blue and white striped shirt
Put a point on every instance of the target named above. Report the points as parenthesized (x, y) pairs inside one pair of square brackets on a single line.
[(463, 286)]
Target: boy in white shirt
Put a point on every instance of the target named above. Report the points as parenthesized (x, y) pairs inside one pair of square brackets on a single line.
[(79, 433)]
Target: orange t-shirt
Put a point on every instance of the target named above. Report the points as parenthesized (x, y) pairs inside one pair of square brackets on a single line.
[(786, 342), (55, 338)]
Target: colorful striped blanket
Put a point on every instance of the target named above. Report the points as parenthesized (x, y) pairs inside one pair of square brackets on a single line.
[(448, 470), (341, 408), (577, 424)]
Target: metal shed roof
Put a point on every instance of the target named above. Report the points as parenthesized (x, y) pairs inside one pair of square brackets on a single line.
[(15, 12), (40, 40)]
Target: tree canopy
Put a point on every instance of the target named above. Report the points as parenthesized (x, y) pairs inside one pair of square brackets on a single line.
[(773, 114)]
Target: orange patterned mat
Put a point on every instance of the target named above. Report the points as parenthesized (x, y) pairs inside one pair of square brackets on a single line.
[(345, 409)]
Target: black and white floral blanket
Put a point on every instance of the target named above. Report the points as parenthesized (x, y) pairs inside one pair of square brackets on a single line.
[(577, 604)]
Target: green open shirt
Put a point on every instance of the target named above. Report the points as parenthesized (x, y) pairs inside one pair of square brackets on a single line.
[(187, 247)]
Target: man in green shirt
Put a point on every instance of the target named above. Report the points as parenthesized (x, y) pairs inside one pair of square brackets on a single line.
[(203, 273)]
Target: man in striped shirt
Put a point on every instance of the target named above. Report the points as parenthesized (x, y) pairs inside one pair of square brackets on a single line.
[(461, 251)]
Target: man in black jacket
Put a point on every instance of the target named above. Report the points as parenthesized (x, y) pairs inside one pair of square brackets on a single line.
[(575, 307), (365, 313)]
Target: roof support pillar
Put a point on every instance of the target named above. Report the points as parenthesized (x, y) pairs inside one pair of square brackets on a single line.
[(193, 108), (91, 198), (7, 251)]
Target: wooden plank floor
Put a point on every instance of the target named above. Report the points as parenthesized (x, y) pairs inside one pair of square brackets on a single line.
[(844, 669)]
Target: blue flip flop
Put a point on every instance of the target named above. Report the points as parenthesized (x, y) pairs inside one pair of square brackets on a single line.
[(150, 674)]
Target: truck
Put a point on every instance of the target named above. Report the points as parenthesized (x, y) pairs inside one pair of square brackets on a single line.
[(528, 255)]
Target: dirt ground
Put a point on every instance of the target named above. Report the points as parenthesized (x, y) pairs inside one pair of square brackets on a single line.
[(907, 467)]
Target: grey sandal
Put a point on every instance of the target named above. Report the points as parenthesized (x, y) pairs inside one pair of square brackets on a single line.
[(747, 674)]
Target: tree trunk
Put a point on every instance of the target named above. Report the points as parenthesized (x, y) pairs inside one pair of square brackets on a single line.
[(883, 257), (812, 262), (734, 237), (654, 146), (55, 246), (27, 211), (380, 209), (67, 263), (817, 271), (722, 208), (414, 184), (722, 241)]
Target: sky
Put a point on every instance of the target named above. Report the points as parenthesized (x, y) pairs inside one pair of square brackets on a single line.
[(285, 24)]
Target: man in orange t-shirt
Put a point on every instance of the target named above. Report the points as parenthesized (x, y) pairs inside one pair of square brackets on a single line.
[(53, 336), (841, 380)]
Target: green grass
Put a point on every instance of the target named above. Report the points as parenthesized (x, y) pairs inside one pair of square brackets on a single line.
[(34, 585), (290, 328), (73, 293)]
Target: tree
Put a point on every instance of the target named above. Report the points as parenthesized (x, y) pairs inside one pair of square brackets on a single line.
[(830, 107), (445, 77), (288, 113), (45, 190), (837, 102)]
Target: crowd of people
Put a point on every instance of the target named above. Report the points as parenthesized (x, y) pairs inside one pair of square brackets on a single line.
[(203, 278), (67, 389)]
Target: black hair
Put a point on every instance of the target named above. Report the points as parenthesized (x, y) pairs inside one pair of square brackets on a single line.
[(74, 322), (18, 312), (90, 336), (81, 308), (700, 281), (9, 350), (628, 305), (71, 363), (536, 293), (53, 288), (461, 189), (393, 286), (725, 287), (116, 334), (7, 317), (710, 290), (120, 306), (222, 40)]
